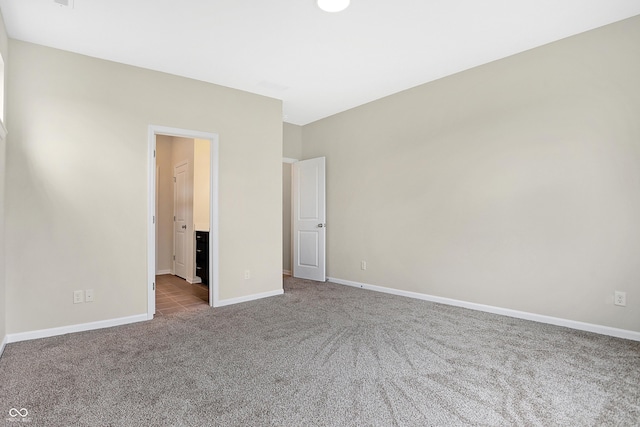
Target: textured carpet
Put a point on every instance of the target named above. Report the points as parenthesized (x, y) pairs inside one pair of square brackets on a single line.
[(324, 354)]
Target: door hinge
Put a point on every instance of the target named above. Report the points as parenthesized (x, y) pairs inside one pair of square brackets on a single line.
[(154, 219), (174, 217), (154, 286), (174, 257), (174, 179), (154, 153)]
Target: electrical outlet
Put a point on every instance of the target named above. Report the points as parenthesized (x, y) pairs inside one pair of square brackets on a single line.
[(620, 298), (363, 265), (78, 297), (247, 274), (88, 295)]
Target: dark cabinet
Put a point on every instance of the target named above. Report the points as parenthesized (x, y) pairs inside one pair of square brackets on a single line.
[(202, 256)]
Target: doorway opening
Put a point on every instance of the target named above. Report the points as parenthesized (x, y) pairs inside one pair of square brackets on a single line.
[(183, 231)]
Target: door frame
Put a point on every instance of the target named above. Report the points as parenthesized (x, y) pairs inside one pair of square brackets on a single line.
[(213, 139), (319, 274)]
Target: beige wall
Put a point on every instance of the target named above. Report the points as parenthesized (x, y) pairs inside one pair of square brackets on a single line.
[(286, 218), (3, 309), (201, 184), (4, 51), (515, 184), (292, 149), (76, 199), (164, 203), (291, 141)]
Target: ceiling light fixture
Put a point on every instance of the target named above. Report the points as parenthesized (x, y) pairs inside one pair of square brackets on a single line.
[(333, 5)]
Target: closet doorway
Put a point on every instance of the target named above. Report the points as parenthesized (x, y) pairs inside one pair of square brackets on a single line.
[(183, 243)]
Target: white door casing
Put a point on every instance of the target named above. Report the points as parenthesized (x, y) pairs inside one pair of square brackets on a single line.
[(309, 219), (153, 131), (180, 222)]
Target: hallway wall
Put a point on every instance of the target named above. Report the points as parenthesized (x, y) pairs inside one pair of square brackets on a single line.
[(164, 239), (77, 184)]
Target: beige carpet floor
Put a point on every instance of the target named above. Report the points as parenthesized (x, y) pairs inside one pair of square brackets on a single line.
[(325, 355)]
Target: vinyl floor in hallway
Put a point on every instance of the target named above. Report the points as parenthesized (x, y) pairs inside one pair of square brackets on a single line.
[(174, 294)]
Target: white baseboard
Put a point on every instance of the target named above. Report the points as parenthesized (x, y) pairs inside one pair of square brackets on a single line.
[(573, 324), (2, 346), (196, 280), (44, 333), (253, 297), (161, 272), (286, 272)]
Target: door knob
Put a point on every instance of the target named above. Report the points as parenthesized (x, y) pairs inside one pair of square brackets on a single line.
[(321, 225), (184, 227)]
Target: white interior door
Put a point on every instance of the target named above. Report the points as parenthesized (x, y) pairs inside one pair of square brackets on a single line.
[(309, 227), (180, 210)]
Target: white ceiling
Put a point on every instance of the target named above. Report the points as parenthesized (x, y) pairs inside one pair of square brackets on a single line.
[(318, 63)]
